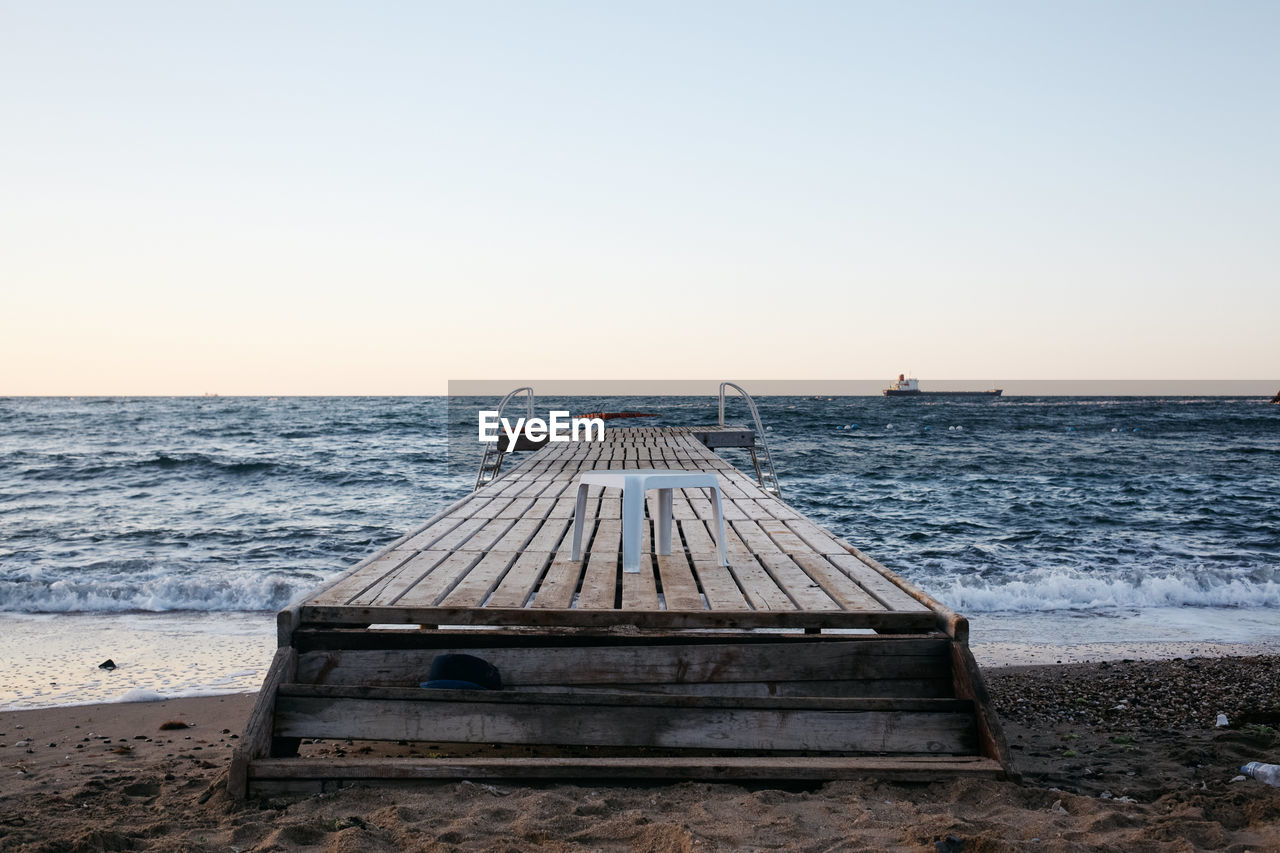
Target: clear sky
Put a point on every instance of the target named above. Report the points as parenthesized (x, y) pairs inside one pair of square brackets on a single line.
[(312, 197)]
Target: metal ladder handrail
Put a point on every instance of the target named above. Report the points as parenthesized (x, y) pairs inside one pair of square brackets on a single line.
[(491, 464), (765, 475)]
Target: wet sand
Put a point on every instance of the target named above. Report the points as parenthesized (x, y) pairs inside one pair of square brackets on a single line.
[(1111, 756)]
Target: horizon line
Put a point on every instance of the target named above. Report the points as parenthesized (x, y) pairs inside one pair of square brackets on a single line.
[(763, 388)]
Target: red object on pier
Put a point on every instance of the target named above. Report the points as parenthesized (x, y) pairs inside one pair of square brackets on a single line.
[(608, 416)]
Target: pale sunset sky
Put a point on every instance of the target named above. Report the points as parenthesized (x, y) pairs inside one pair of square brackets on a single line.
[(354, 198)]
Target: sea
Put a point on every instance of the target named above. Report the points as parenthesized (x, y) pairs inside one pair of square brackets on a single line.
[(163, 533)]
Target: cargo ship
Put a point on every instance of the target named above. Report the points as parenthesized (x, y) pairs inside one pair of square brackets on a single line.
[(905, 387)]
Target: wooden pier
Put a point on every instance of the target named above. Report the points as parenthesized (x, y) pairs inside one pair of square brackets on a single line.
[(802, 659)]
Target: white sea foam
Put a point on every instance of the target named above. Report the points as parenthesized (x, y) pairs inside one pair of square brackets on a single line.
[(1045, 591), (140, 694), (158, 593)]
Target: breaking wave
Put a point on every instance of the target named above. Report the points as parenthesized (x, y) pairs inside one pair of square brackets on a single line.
[(1050, 592), (159, 593)]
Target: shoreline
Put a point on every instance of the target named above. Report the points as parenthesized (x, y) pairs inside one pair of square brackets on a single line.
[(52, 660), (1099, 767)]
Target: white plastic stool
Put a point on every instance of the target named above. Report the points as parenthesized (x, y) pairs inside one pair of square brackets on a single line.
[(634, 482)]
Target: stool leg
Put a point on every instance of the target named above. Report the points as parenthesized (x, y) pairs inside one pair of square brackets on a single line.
[(719, 519), (664, 521), (579, 510), (632, 525)]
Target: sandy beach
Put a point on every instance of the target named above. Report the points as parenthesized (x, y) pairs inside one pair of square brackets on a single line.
[(1121, 755)]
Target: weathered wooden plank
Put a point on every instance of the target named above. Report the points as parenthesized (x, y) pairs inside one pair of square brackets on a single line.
[(492, 699), (902, 688), (371, 575), (518, 508), (679, 664), (558, 487), (893, 596), (819, 539), (697, 539), (600, 578), (435, 585), (838, 585), (955, 625), (475, 586), (718, 585), (807, 593), (679, 587), (519, 482), (433, 533), (485, 538), (799, 587), (338, 638), (270, 776), (752, 509), (392, 586), (745, 482), (458, 535), (510, 536), (491, 508), (549, 534), (560, 582), (733, 545), (548, 615), (702, 508), (564, 507), (731, 492), (784, 538), (640, 589), (256, 742), (759, 587), (520, 580), (541, 506), (967, 683), (648, 720)]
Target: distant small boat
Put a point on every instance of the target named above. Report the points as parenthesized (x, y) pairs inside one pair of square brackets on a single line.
[(905, 387)]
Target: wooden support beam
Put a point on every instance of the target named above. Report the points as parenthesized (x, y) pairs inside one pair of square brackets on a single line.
[(968, 684), (271, 776), (893, 622), (527, 662), (913, 726), (255, 741)]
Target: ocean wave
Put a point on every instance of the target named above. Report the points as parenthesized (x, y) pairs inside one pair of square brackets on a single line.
[(159, 469), (37, 593), (72, 467), (199, 460), (1046, 591)]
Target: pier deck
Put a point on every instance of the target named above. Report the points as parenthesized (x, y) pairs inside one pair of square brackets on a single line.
[(502, 557), (677, 646)]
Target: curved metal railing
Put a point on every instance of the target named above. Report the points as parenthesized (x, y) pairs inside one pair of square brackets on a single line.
[(760, 456), (491, 464)]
